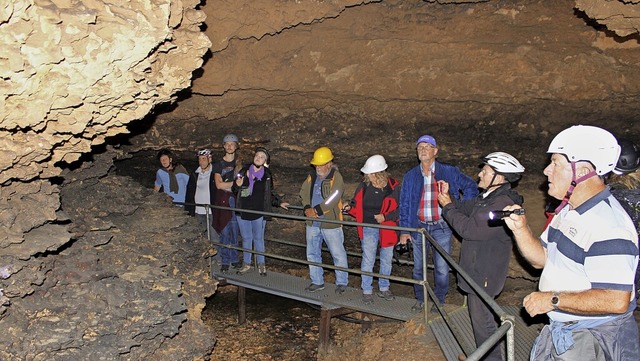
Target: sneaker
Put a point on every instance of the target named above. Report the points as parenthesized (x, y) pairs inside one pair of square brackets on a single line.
[(387, 295), (236, 265), (262, 269), (340, 289), (224, 268), (313, 287), (417, 307), (367, 298), (244, 269)]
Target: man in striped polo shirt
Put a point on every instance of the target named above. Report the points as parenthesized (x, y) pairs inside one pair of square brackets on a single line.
[(588, 255)]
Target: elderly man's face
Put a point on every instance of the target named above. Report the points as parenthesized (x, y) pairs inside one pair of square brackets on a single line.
[(559, 175), (204, 161), (323, 170), (426, 152)]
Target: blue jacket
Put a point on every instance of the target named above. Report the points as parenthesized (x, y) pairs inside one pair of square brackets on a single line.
[(412, 185)]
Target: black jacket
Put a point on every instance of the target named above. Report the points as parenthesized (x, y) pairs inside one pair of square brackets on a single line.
[(270, 198), (191, 191), (486, 245)]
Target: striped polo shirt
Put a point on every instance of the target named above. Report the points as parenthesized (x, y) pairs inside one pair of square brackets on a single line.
[(594, 246)]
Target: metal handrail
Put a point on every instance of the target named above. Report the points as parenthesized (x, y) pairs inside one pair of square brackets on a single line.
[(507, 321)]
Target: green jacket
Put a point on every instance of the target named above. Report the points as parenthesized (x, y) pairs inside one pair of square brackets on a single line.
[(332, 189)]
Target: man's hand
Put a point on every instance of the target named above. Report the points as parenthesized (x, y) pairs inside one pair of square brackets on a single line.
[(443, 193), (515, 222), (538, 303), (310, 213), (404, 238)]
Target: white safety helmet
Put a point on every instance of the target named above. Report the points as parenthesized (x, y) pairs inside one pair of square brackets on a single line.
[(374, 164), (503, 163), (588, 143)]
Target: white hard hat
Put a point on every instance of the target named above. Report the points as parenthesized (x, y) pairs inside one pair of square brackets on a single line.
[(503, 162), (374, 164), (587, 143)]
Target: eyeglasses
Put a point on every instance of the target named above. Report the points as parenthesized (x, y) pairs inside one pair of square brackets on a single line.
[(425, 147)]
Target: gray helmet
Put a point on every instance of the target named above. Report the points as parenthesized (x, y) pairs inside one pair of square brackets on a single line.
[(230, 138)]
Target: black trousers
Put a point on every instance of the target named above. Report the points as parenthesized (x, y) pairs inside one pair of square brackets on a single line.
[(484, 325)]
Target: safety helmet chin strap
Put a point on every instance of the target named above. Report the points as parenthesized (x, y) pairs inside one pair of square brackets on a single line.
[(572, 187), (491, 185)]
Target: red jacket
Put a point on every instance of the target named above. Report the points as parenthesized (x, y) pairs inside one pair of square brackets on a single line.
[(389, 209)]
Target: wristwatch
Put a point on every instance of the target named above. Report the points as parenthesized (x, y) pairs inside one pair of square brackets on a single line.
[(555, 300)]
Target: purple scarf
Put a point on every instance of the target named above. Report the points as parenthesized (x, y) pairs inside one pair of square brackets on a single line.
[(253, 175)]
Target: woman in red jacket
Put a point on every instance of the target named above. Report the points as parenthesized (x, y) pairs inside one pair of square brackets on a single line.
[(376, 202)]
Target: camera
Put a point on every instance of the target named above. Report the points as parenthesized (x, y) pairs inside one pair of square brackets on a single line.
[(502, 214)]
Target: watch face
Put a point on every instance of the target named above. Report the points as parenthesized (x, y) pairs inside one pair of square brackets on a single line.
[(554, 300)]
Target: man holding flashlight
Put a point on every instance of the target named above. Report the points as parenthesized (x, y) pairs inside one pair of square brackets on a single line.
[(486, 242), (588, 255)]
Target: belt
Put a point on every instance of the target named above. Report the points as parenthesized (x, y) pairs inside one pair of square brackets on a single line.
[(431, 223)]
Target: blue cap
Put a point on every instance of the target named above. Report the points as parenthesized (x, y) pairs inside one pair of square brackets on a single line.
[(427, 139)]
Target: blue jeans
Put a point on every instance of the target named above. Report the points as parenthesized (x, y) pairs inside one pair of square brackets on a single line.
[(252, 233), (229, 235), (334, 238), (370, 242), (441, 233)]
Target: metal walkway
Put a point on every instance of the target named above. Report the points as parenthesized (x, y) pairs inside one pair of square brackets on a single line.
[(292, 287), (525, 334)]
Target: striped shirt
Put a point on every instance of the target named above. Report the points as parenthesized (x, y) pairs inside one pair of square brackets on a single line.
[(594, 246)]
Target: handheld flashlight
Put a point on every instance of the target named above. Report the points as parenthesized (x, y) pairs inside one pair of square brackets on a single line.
[(503, 214)]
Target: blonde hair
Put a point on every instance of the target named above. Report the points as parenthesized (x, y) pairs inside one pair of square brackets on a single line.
[(628, 181), (380, 179)]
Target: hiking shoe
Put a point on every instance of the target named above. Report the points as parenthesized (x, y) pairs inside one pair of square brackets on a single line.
[(244, 269), (262, 269), (313, 287), (340, 289), (417, 307), (387, 295), (236, 265), (224, 268), (367, 298)]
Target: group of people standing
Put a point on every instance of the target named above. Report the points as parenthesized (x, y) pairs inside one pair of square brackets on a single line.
[(588, 252)]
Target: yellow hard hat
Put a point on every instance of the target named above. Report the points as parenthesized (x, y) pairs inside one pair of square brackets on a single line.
[(322, 156)]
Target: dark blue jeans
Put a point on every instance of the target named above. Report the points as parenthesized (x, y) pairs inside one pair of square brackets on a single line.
[(442, 234)]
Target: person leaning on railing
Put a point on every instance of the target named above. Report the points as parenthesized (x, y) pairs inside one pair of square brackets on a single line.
[(486, 243)]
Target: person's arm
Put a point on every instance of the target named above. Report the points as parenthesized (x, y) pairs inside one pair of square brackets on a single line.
[(158, 183), (588, 302), (405, 198), (305, 196), (394, 213), (466, 186), (529, 246), (220, 184)]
